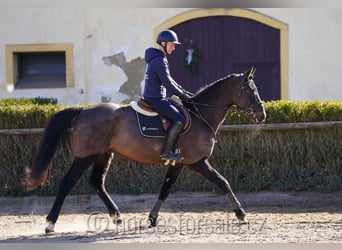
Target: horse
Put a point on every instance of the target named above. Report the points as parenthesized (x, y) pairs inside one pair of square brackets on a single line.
[(99, 131)]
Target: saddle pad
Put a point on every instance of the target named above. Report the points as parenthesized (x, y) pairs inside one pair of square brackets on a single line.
[(150, 126)]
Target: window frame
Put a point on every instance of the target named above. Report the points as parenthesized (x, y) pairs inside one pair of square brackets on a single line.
[(12, 63)]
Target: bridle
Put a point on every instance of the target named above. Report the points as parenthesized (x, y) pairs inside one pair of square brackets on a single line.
[(249, 110)]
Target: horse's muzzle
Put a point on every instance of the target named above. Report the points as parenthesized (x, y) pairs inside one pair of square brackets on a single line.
[(260, 116)]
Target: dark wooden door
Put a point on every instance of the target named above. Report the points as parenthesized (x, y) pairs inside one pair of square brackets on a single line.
[(228, 45)]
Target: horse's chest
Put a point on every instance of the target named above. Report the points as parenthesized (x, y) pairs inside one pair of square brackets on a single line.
[(211, 143)]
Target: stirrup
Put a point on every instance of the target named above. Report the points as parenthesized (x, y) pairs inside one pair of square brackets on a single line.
[(171, 158), (169, 162)]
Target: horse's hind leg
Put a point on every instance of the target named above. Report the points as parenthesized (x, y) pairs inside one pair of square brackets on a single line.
[(97, 180), (170, 178), (204, 168), (76, 170)]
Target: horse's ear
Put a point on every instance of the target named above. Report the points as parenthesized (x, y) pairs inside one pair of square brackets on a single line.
[(251, 73)]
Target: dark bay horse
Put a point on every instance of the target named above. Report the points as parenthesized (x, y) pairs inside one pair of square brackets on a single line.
[(99, 131)]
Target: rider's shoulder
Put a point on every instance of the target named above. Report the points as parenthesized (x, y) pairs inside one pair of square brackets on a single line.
[(153, 54)]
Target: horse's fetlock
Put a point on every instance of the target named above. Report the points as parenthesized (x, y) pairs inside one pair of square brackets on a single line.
[(152, 219)]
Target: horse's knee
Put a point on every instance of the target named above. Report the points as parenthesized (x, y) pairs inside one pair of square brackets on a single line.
[(93, 183), (96, 181), (98, 186)]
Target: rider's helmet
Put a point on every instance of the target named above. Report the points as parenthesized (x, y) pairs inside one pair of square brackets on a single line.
[(167, 36)]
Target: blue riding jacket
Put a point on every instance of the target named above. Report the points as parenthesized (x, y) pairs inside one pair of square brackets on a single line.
[(158, 79), (157, 82)]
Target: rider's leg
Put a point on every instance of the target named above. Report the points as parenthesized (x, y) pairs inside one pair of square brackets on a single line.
[(168, 152), (167, 109)]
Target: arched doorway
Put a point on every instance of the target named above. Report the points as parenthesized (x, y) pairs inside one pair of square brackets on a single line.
[(225, 41)]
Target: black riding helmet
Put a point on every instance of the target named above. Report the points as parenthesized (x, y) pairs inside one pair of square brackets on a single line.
[(167, 36)]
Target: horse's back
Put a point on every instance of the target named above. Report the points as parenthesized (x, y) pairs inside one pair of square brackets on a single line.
[(94, 127)]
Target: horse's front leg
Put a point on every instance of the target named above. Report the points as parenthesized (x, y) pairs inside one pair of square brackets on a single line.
[(170, 178), (204, 168)]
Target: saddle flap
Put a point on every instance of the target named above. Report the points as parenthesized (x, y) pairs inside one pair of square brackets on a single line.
[(142, 107)]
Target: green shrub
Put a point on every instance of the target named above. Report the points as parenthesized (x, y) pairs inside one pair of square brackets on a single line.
[(289, 111), (25, 101), (26, 113), (26, 116), (305, 159)]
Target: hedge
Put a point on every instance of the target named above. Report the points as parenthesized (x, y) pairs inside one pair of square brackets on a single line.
[(291, 111), (306, 159), (27, 113), (23, 101)]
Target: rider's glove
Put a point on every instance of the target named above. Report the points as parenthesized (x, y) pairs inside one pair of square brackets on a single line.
[(185, 97)]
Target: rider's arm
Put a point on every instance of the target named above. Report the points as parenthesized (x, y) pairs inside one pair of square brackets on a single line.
[(169, 83)]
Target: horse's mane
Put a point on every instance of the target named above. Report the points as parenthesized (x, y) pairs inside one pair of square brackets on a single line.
[(212, 85)]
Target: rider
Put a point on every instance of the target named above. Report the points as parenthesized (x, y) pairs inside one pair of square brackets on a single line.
[(157, 81)]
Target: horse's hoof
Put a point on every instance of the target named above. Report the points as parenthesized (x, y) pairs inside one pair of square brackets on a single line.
[(241, 215), (50, 228), (152, 220), (243, 220), (117, 219)]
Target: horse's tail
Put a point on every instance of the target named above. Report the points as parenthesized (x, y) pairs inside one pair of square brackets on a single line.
[(56, 133)]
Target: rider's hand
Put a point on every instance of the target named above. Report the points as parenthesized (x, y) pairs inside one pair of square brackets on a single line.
[(185, 97), (189, 93)]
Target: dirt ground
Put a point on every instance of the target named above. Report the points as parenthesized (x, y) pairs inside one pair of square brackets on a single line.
[(184, 217)]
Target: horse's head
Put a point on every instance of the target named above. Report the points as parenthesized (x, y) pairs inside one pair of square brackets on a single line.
[(247, 97)]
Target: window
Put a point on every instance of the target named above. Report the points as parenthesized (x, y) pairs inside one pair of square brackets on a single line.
[(39, 66)]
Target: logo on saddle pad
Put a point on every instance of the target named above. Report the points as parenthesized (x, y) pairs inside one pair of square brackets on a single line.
[(151, 123)]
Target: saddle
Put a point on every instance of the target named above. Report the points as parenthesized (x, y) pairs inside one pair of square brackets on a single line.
[(147, 115)]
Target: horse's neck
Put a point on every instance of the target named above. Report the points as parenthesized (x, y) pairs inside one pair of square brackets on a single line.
[(213, 110)]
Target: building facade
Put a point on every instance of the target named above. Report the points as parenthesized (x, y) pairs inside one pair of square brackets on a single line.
[(81, 55)]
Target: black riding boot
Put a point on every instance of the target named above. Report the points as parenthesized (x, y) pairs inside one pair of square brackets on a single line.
[(168, 152)]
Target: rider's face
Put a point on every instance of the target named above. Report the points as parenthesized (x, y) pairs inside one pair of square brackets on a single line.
[(170, 47)]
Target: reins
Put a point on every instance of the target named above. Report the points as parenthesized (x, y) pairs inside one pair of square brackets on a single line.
[(198, 114)]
